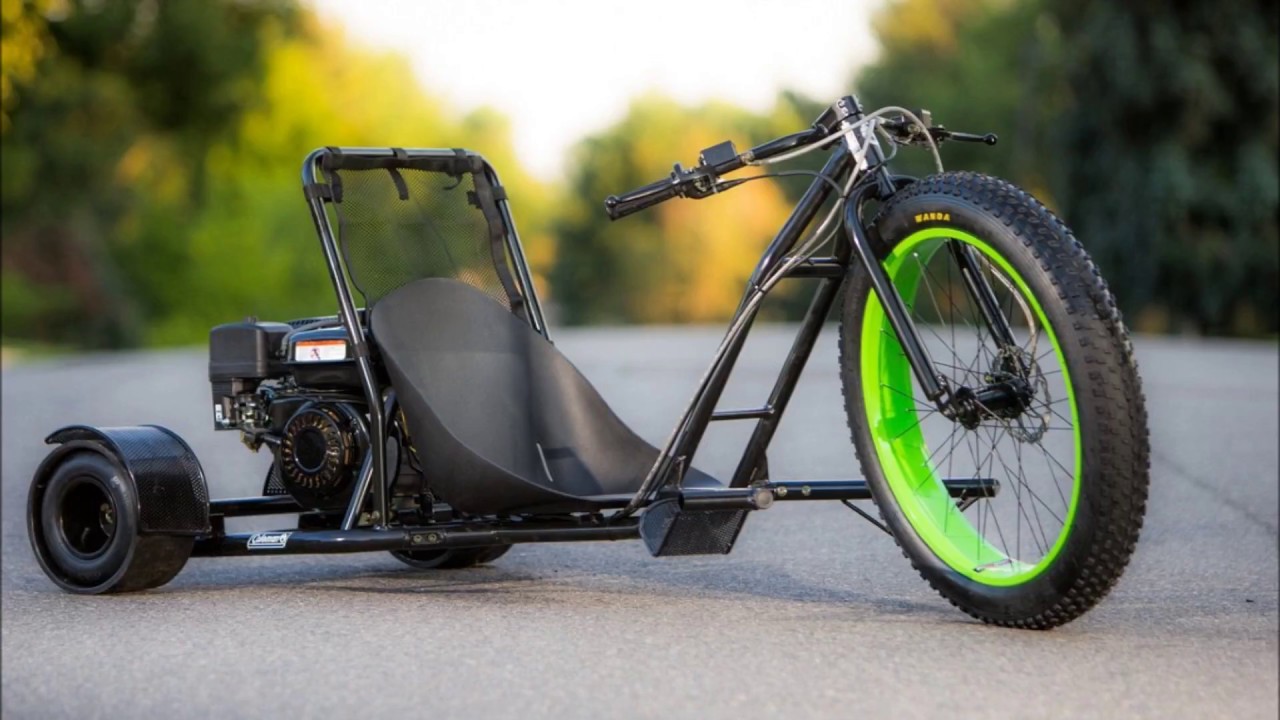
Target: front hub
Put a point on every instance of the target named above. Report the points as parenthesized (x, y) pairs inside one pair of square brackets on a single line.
[(1006, 398)]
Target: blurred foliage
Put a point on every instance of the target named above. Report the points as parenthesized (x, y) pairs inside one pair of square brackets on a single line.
[(150, 150), (1169, 143), (150, 171), (108, 131), (25, 42), (1150, 127), (680, 261), (977, 66)]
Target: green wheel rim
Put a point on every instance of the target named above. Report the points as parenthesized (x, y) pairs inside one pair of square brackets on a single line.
[(895, 425)]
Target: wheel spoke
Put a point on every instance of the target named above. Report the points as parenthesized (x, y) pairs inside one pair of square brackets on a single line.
[(1011, 532), (914, 425), (919, 404), (928, 460)]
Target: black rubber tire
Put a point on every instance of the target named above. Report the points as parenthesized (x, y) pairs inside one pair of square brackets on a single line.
[(87, 485), (1112, 415), (456, 559)]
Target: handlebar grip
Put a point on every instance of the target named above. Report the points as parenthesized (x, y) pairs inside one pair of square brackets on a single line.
[(619, 206)]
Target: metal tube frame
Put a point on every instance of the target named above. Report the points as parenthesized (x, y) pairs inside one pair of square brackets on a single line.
[(684, 441), (373, 470), (830, 271), (701, 410), (687, 435), (488, 533), (875, 182)]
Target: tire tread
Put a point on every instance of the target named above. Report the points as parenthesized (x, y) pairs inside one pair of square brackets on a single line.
[(1112, 375)]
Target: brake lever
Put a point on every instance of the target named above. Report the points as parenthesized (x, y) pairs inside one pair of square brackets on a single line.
[(692, 183), (712, 186), (909, 132), (940, 133), (901, 130)]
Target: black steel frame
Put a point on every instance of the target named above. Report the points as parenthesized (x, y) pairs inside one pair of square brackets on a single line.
[(750, 487)]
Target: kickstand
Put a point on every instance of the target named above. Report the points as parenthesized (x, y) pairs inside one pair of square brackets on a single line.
[(866, 516)]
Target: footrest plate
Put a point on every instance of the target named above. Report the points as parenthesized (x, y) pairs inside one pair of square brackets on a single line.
[(668, 530)]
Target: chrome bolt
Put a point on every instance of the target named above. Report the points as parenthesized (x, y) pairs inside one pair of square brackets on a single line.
[(763, 499)]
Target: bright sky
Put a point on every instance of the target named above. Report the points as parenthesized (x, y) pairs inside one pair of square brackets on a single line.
[(560, 70)]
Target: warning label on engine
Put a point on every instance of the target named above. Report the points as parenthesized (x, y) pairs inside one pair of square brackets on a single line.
[(320, 350)]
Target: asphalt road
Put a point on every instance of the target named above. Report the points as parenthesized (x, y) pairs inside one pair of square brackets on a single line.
[(814, 615)]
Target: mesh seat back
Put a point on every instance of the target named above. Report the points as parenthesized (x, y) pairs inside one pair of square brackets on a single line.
[(427, 220)]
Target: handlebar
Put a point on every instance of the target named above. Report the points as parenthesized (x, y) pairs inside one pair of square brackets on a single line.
[(715, 161), (619, 206), (701, 181)]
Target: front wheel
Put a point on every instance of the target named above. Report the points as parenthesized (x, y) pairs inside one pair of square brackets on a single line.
[(1067, 442)]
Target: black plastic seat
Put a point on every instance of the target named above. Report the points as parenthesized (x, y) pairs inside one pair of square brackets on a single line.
[(502, 421)]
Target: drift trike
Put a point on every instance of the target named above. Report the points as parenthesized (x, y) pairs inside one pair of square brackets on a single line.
[(989, 383)]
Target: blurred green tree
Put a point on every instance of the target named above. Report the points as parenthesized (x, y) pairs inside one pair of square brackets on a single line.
[(252, 245), (1151, 127), (25, 36), (149, 154), (680, 261), (1167, 157), (113, 89), (150, 168), (977, 66)]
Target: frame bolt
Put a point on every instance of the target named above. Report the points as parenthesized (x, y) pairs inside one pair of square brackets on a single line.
[(763, 499), (433, 538), (782, 491), (805, 490)]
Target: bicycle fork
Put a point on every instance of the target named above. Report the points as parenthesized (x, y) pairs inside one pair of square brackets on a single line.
[(963, 404)]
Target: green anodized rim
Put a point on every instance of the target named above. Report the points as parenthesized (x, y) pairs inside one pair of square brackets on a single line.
[(896, 431)]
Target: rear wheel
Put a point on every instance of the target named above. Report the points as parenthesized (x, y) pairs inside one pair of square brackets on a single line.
[(84, 529), (450, 559), (1067, 440)]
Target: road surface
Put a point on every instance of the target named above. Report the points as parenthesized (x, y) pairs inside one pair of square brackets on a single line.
[(814, 615)]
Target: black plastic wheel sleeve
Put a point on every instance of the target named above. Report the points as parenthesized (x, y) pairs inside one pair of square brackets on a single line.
[(173, 497)]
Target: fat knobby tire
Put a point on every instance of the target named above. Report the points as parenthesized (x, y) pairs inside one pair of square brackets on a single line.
[(1096, 348)]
